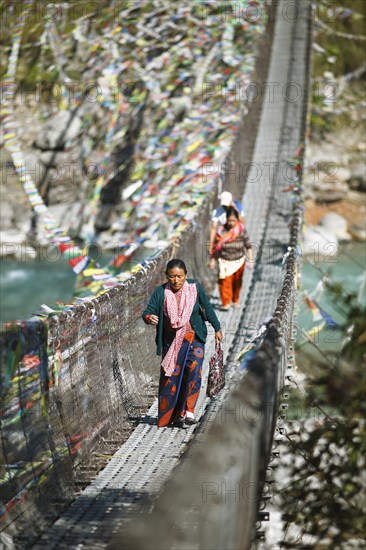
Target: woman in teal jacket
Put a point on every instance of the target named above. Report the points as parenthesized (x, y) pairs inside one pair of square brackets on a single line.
[(177, 310)]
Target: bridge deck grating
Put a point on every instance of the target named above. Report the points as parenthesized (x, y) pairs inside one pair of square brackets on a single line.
[(139, 469)]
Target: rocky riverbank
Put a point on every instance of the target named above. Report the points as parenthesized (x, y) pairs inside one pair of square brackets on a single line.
[(334, 182), (51, 164), (334, 176), (334, 189)]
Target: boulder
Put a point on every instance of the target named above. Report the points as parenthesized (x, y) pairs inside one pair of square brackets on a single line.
[(15, 210), (336, 224), (319, 242), (54, 158), (327, 197), (7, 542), (26, 252), (331, 181), (33, 166), (358, 232), (106, 241), (11, 243), (323, 156), (61, 128), (67, 216), (357, 178), (341, 174), (6, 212), (103, 217)]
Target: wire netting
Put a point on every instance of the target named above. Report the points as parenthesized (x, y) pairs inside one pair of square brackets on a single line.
[(73, 388)]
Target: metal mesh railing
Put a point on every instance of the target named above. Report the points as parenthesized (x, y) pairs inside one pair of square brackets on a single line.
[(102, 375), (79, 383), (214, 498)]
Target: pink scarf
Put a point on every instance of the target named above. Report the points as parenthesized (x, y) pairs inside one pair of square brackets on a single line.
[(223, 236), (178, 317)]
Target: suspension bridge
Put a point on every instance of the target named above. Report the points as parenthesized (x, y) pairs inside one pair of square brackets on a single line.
[(99, 473)]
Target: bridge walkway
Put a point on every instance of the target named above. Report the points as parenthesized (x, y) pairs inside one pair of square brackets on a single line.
[(135, 475)]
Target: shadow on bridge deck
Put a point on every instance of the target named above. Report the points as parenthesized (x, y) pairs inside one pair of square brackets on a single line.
[(232, 442), (205, 483)]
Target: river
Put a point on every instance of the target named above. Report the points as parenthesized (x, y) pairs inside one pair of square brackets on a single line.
[(24, 286), (347, 268)]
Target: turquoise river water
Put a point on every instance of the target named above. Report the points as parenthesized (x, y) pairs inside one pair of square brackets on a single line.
[(24, 286)]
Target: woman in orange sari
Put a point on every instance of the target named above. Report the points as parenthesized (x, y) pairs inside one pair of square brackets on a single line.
[(231, 243)]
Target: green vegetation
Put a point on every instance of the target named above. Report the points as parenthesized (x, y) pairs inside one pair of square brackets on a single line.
[(339, 16), (35, 58), (334, 57), (326, 497)]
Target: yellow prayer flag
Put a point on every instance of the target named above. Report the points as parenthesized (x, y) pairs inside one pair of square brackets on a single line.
[(194, 145)]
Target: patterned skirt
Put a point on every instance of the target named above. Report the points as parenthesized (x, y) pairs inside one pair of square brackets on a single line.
[(179, 392)]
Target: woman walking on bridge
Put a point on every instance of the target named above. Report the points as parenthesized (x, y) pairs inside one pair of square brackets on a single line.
[(176, 309), (231, 242)]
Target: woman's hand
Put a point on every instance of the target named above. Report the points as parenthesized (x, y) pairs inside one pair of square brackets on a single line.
[(153, 320), (218, 336), (212, 263)]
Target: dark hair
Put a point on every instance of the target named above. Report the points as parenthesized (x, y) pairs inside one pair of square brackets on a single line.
[(231, 211), (175, 262)]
